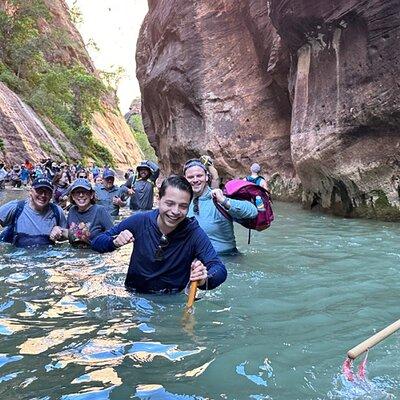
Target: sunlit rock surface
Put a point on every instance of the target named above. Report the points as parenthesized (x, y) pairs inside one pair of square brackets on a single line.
[(25, 136), (308, 89)]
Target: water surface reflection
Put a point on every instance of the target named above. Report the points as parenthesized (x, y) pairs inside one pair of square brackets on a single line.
[(295, 301)]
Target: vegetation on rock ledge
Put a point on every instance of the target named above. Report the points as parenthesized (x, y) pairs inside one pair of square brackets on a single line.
[(136, 125), (67, 94)]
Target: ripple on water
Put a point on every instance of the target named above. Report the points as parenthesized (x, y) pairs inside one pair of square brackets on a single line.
[(157, 392), (92, 394), (306, 290), (265, 373), (377, 388), (6, 359)]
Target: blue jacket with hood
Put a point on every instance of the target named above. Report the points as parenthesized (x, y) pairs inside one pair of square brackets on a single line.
[(186, 243)]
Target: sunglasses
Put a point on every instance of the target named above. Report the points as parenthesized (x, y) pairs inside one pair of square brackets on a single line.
[(159, 254), (196, 205)]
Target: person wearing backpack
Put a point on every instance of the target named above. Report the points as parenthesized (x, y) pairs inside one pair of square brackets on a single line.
[(257, 179), (86, 219), (218, 228), (255, 176), (31, 222)]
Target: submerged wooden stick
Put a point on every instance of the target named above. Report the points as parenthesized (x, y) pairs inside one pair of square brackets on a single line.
[(373, 340), (192, 294)]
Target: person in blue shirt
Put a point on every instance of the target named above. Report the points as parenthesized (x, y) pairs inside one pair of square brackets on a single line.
[(218, 228), (95, 170), (257, 179), (143, 190), (24, 175), (170, 249), (33, 221), (111, 196)]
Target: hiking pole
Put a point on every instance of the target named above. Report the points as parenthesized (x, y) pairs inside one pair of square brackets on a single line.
[(191, 296), (373, 340)]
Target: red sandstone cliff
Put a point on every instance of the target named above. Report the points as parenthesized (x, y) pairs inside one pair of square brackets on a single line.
[(25, 136), (308, 89), (213, 80)]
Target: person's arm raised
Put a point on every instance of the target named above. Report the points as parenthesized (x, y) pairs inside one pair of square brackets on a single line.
[(105, 242), (123, 238)]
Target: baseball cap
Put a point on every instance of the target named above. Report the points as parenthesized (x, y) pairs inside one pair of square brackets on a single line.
[(42, 182), (108, 174), (80, 183), (255, 168)]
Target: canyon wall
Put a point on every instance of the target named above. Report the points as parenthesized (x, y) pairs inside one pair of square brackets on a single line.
[(25, 134), (213, 80), (309, 89)]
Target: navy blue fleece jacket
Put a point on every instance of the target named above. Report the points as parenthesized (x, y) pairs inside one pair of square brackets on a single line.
[(186, 243)]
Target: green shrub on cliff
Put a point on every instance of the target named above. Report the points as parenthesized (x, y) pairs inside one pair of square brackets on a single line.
[(136, 125), (67, 94)]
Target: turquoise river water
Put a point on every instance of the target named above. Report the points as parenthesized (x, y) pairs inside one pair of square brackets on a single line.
[(303, 293)]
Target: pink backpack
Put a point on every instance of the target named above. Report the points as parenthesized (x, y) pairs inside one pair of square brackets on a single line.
[(243, 190)]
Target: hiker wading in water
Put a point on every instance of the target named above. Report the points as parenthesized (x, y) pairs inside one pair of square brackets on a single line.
[(218, 228), (170, 249), (31, 222), (143, 187), (111, 196), (86, 220)]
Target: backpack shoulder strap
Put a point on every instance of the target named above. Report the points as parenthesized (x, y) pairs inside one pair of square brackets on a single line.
[(56, 213), (18, 211)]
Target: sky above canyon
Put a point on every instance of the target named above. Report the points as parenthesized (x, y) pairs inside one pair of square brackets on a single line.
[(114, 26)]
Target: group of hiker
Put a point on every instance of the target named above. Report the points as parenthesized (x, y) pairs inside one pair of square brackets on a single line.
[(177, 242), (24, 174)]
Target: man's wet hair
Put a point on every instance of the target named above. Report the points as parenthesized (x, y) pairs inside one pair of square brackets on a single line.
[(176, 181)]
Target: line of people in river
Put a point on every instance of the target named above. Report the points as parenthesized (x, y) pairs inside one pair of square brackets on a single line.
[(181, 240), (26, 173)]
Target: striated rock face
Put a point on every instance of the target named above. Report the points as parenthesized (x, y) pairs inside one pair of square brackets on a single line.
[(213, 81), (25, 136), (112, 130), (346, 109), (310, 90)]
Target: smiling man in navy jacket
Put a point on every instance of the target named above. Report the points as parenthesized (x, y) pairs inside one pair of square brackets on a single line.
[(170, 249)]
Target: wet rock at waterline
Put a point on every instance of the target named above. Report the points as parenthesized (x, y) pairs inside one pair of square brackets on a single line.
[(346, 95), (309, 90)]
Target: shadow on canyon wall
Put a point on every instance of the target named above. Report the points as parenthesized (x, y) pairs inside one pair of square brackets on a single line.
[(308, 89)]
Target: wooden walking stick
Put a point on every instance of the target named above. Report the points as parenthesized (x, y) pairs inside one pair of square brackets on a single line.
[(373, 340), (191, 296), (188, 315)]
